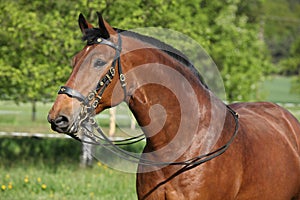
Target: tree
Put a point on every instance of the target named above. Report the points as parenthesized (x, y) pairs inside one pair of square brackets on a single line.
[(39, 38), (293, 64), (240, 54), (281, 25), (35, 50), (228, 30)]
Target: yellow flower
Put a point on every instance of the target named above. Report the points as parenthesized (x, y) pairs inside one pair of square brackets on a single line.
[(3, 187), (26, 180), (99, 164), (39, 179), (44, 186), (10, 186), (92, 194)]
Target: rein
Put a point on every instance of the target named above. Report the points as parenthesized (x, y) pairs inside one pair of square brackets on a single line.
[(88, 124)]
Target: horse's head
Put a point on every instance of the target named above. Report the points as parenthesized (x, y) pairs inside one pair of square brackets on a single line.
[(92, 80)]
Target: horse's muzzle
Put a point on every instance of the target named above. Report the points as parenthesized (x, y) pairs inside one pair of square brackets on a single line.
[(62, 124)]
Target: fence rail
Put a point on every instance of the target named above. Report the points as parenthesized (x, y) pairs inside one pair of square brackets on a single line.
[(45, 135), (37, 135)]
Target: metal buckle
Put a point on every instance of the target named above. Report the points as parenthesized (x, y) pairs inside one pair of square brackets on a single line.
[(91, 96), (112, 71)]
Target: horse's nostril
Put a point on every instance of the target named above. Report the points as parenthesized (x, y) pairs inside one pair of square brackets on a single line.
[(61, 121), (62, 124)]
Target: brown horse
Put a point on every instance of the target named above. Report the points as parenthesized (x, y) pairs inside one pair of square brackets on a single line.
[(182, 120)]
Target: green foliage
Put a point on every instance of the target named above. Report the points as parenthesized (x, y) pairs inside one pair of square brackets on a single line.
[(239, 53), (50, 151), (35, 50), (281, 23), (291, 65), (39, 38)]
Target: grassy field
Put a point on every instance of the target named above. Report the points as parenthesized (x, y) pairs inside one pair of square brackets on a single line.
[(38, 169), (277, 89), (18, 117), (36, 181)]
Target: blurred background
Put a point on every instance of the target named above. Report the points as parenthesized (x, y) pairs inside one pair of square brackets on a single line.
[(255, 45)]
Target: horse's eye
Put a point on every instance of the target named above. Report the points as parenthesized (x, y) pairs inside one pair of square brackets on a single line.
[(99, 63)]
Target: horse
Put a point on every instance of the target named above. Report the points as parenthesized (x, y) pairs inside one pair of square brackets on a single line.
[(209, 150)]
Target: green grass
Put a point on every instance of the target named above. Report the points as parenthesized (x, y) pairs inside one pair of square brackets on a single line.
[(65, 181), (37, 169), (295, 110), (278, 89), (15, 117)]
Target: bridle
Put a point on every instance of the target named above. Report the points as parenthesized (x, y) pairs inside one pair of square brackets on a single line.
[(91, 101)]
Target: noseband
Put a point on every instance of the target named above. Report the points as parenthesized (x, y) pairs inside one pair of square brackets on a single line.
[(93, 99)]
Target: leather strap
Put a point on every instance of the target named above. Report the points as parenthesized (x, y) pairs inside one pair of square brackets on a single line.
[(72, 93)]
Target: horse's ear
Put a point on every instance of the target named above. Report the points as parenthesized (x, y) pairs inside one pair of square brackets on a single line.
[(106, 29), (83, 24)]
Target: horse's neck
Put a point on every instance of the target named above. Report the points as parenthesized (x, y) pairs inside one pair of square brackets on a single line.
[(173, 108)]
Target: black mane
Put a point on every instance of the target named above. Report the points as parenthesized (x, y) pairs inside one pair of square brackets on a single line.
[(92, 34), (171, 51)]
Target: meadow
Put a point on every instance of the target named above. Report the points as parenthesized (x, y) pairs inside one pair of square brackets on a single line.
[(37, 169), (38, 181)]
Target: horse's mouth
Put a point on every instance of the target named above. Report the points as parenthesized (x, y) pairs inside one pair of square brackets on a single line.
[(75, 128), (71, 130), (74, 132)]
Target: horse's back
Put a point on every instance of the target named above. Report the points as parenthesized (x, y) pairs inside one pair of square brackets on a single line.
[(270, 138), (262, 117)]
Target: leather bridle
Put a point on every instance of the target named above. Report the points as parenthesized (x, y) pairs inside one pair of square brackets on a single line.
[(93, 99)]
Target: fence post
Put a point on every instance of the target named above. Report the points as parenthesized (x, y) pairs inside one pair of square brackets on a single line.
[(86, 157), (132, 122), (112, 121)]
